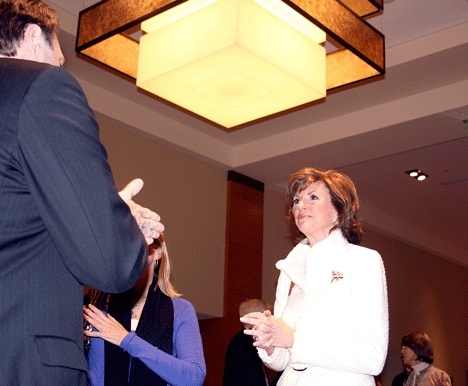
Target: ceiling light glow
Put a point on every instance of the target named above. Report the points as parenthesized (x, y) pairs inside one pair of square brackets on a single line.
[(235, 62)]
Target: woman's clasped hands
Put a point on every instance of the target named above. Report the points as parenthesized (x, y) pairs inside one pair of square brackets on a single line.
[(268, 331)]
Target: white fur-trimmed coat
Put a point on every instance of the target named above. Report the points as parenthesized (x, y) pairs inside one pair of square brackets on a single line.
[(339, 310)]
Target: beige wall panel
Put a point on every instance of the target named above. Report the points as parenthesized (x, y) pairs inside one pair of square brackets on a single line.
[(190, 196)]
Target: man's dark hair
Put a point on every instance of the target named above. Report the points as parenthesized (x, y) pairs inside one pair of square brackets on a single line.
[(16, 15)]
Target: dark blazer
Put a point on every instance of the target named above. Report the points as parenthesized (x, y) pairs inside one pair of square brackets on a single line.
[(242, 365), (400, 379), (62, 224)]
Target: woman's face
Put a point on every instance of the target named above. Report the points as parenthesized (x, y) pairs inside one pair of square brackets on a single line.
[(314, 213), (408, 356), (154, 254)]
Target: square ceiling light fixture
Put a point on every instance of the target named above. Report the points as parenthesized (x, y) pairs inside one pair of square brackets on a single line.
[(234, 62)]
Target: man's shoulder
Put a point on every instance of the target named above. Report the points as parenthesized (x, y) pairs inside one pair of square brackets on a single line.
[(24, 67), (24, 72), (241, 339), (11, 68)]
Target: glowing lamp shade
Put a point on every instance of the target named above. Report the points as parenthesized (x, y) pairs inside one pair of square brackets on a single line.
[(232, 61)]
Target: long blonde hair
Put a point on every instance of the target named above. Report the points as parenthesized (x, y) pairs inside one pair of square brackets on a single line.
[(164, 272)]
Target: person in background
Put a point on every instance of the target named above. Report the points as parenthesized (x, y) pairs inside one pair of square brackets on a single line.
[(400, 378), (242, 365), (148, 335), (417, 352), (63, 223), (330, 323)]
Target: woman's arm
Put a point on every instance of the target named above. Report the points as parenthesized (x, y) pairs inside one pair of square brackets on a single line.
[(187, 366)]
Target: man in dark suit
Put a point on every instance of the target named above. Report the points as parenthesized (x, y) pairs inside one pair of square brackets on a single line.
[(62, 222), (242, 365)]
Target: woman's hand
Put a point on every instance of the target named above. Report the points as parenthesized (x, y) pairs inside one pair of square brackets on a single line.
[(104, 326), (268, 331)]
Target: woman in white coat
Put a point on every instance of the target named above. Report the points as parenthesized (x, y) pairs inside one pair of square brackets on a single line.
[(330, 323)]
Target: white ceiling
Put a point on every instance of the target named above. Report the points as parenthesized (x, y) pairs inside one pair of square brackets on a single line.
[(412, 118)]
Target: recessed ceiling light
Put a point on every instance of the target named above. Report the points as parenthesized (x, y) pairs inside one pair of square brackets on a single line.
[(421, 177), (418, 174)]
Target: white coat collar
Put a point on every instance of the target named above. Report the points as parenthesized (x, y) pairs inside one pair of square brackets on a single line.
[(294, 264)]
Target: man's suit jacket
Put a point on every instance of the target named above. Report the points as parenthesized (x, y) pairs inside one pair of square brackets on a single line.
[(242, 365), (62, 224)]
